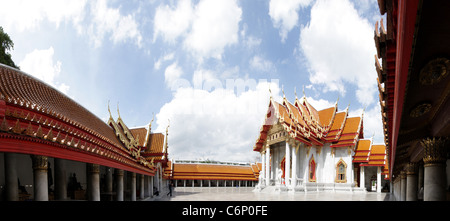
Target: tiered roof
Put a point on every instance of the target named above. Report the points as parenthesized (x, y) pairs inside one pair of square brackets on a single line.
[(304, 123), (369, 154), (35, 118)]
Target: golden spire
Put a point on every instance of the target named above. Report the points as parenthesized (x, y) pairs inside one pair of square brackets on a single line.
[(118, 109), (109, 110)]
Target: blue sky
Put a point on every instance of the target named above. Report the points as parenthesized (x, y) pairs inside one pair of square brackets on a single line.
[(205, 65)]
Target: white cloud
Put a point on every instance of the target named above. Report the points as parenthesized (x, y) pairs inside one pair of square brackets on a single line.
[(320, 104), (41, 65), (206, 28), (284, 14), (110, 20), (260, 64), (220, 124), (339, 49), (372, 123), (166, 57), (171, 22), (215, 25), (172, 73), (28, 14)]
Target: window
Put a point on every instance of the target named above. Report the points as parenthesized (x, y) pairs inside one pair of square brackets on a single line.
[(341, 169), (312, 170)]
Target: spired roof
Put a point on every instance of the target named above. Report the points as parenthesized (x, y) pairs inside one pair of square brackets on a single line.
[(19, 88), (362, 151), (304, 123), (54, 125)]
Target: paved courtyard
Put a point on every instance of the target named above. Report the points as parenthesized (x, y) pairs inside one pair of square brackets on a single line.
[(246, 194)]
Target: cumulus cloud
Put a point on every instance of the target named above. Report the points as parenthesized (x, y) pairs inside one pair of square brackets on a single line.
[(170, 22), (206, 28), (372, 123), (338, 47), (284, 14), (110, 20), (172, 73), (40, 64), (260, 64), (28, 14), (219, 124)]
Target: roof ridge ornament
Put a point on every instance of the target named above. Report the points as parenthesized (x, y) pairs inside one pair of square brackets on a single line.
[(118, 109)]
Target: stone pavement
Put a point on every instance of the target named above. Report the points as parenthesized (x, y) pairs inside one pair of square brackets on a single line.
[(247, 194)]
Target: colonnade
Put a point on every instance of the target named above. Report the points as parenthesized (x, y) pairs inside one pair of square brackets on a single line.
[(41, 188), (427, 179), (290, 172), (233, 183)]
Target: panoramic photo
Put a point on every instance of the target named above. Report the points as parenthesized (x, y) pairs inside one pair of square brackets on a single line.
[(224, 107)]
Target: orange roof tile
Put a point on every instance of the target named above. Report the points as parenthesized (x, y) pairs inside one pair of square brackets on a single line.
[(338, 120), (212, 172), (351, 125), (326, 115), (141, 133)]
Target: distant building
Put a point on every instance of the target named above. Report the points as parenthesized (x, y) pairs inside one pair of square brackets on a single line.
[(303, 149)]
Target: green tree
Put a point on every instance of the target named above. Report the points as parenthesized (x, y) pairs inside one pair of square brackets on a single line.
[(6, 45)]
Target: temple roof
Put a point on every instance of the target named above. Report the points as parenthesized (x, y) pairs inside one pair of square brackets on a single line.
[(54, 125), (202, 171), (304, 123)]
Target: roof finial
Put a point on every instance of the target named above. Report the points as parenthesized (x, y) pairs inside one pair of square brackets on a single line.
[(295, 92), (304, 95), (150, 125), (282, 89), (270, 92), (118, 108), (167, 128), (109, 110)]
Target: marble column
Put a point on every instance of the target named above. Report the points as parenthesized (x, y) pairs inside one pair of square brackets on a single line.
[(93, 182), (403, 185), (379, 179), (60, 179), (420, 182), (133, 187), (435, 157), (361, 178), (411, 182), (263, 169), (287, 166), (141, 186), (147, 186), (108, 180), (267, 165), (119, 184), (40, 167), (294, 168), (11, 179)]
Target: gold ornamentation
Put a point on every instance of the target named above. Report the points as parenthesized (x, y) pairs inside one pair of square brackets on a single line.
[(411, 168), (434, 71), (435, 150), (420, 110), (39, 162)]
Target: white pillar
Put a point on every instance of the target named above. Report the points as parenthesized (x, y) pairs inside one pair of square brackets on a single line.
[(294, 168), (11, 180), (361, 176), (119, 184), (378, 179), (93, 182), (263, 168), (267, 165), (287, 167), (133, 186), (40, 166)]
